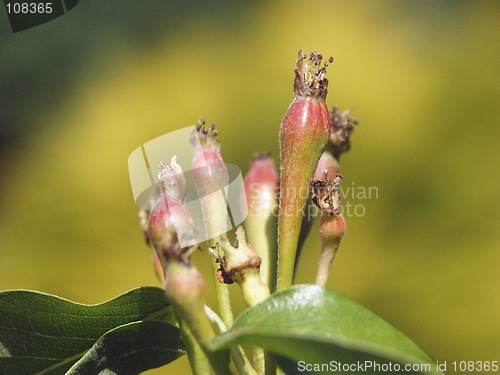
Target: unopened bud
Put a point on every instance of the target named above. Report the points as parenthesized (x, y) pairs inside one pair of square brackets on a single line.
[(325, 195), (211, 177), (304, 132), (184, 286), (261, 190), (327, 164), (342, 128), (170, 226)]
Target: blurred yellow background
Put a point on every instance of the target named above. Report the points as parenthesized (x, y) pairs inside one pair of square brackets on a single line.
[(83, 91)]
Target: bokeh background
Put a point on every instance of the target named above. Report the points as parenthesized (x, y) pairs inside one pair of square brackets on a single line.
[(78, 94)]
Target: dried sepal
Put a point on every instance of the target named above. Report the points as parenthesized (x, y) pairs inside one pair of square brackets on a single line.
[(205, 135), (342, 128), (325, 194)]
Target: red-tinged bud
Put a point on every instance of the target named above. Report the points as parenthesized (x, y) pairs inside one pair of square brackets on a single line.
[(170, 226), (172, 233), (328, 165), (325, 195), (304, 132), (342, 128), (261, 190), (185, 288), (210, 176)]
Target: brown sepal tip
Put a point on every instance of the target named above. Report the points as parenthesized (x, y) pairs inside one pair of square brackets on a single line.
[(310, 74), (325, 194)]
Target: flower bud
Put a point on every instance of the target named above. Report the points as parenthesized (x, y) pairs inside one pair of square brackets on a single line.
[(211, 177), (172, 233), (327, 164), (170, 226), (261, 190), (342, 128), (184, 286), (304, 132), (325, 194)]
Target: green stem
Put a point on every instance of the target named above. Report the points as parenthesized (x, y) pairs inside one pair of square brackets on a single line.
[(254, 292), (259, 360), (184, 288), (261, 233), (197, 359), (202, 330), (221, 293), (325, 262), (238, 356), (286, 259)]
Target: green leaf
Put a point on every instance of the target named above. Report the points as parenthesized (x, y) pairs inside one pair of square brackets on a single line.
[(131, 349), (45, 334), (316, 325)]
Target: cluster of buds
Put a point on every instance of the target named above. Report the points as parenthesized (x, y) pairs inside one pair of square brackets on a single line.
[(170, 225), (311, 142)]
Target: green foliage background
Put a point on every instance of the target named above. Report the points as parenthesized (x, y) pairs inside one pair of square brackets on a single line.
[(83, 91)]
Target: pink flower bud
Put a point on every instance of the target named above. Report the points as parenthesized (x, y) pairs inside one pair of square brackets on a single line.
[(261, 188), (211, 177), (304, 132), (170, 225), (328, 165)]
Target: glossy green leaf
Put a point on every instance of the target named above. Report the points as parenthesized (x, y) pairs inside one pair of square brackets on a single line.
[(45, 334), (316, 325), (131, 349)]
